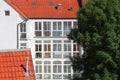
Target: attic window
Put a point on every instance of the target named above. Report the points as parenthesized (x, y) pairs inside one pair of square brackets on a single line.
[(7, 13), (34, 3), (51, 4)]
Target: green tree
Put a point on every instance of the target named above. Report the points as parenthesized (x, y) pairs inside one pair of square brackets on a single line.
[(99, 33)]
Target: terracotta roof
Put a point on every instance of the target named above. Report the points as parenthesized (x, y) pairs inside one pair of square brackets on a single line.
[(13, 65), (46, 8)]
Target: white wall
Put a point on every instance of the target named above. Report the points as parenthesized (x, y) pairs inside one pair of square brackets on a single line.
[(8, 26)]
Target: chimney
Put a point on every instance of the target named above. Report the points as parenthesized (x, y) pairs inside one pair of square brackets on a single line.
[(27, 71), (58, 6), (70, 9)]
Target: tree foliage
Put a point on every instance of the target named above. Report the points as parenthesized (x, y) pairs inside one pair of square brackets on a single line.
[(99, 33)]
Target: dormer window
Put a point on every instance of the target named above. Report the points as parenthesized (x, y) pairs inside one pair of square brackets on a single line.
[(7, 13)]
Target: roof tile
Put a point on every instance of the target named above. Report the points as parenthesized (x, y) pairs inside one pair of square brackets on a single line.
[(10, 65), (42, 8)]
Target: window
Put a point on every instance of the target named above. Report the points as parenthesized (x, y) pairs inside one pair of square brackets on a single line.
[(23, 45), (67, 48), (7, 13), (57, 48), (67, 70), (38, 69), (38, 55), (47, 70), (47, 49), (75, 24), (75, 49), (57, 69), (57, 29), (23, 31), (67, 26), (47, 28), (38, 29), (38, 49)]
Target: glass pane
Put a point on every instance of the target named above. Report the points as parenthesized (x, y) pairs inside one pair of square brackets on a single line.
[(39, 76), (54, 69), (45, 69), (69, 69), (54, 26), (47, 33), (59, 47), (36, 68), (36, 26), (38, 62), (65, 47), (23, 35), (74, 47), (47, 76), (59, 26), (45, 47), (57, 76), (38, 33), (65, 69), (40, 48), (54, 47), (36, 47), (49, 69), (40, 69), (59, 69), (69, 47), (65, 26), (69, 25), (38, 55)]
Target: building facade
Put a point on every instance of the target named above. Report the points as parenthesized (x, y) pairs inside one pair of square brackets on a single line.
[(50, 46), (42, 26)]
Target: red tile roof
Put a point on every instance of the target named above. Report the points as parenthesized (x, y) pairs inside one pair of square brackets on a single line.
[(12, 64), (43, 9)]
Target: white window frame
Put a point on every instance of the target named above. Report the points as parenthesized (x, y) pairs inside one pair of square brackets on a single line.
[(38, 29), (57, 48), (46, 29), (23, 32), (57, 29), (66, 27), (47, 70), (38, 69)]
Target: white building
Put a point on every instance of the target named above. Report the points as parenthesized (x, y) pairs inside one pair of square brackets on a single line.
[(42, 26)]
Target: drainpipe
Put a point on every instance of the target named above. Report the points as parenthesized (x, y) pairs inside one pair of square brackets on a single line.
[(18, 32)]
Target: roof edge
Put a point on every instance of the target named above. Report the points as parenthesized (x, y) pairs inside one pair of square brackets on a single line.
[(17, 9), (14, 50)]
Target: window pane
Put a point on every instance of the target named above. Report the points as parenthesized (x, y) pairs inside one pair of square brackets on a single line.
[(38, 33), (59, 26), (49, 69), (65, 69), (40, 69), (39, 76), (65, 26), (45, 69), (49, 47), (54, 69), (69, 25), (69, 69), (38, 55), (54, 25), (23, 35), (36, 68), (59, 69), (40, 48)]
